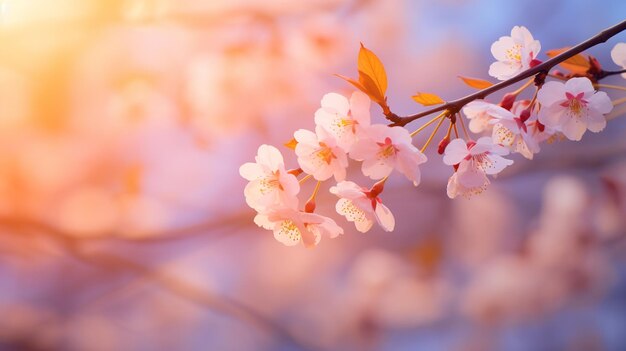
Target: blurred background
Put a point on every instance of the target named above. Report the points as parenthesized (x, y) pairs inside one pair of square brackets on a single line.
[(123, 224)]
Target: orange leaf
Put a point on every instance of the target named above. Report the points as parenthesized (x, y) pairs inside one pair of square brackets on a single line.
[(371, 89), (427, 99), (370, 65), (357, 84), (476, 83), (291, 144), (577, 63)]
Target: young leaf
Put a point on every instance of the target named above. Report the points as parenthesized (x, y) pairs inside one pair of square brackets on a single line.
[(577, 63), (476, 83), (427, 99), (291, 144), (370, 65), (357, 84), (371, 89)]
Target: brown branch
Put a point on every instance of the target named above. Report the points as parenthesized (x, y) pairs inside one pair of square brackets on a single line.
[(165, 235), (169, 282), (456, 105)]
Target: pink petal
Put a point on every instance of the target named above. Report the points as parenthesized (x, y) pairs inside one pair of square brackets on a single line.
[(251, 171), (385, 218), (470, 175), (574, 128), (499, 48), (497, 164), (306, 137), (270, 156), (347, 189), (551, 93), (483, 145), (455, 152), (360, 108), (336, 102), (578, 85), (600, 102), (503, 71), (596, 122), (552, 116), (376, 168)]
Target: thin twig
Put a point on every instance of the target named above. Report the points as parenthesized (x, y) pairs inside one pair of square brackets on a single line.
[(455, 105)]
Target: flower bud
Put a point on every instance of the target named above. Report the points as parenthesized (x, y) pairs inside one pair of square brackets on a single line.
[(296, 171), (443, 144), (377, 188), (309, 207), (525, 115), (507, 101)]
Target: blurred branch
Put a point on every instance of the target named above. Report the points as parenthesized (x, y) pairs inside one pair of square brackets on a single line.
[(169, 282), (167, 235)]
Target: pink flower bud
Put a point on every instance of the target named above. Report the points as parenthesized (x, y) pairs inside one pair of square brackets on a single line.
[(507, 101)]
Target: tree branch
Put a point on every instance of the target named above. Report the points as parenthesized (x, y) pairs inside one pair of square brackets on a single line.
[(456, 105), (169, 282)]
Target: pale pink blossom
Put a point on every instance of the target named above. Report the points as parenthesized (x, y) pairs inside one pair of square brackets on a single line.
[(291, 226), (514, 53), (474, 161), (270, 184), (618, 54), (361, 206), (319, 155), (573, 107), (384, 148), (519, 130), (342, 118), (480, 113)]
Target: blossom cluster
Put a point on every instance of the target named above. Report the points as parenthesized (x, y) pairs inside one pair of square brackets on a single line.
[(343, 131), (559, 109)]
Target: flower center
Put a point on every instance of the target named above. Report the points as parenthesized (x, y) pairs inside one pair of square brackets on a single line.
[(575, 103), (325, 153), (514, 53), (387, 149), (271, 182)]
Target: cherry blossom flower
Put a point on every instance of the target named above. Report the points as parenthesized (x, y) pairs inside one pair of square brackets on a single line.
[(342, 118), (514, 54), (473, 160), (384, 148), (319, 155), (480, 113), (291, 226), (618, 54), (270, 184), (519, 130), (362, 206), (573, 107)]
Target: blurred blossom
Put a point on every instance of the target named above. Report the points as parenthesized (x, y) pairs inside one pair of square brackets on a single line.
[(122, 219)]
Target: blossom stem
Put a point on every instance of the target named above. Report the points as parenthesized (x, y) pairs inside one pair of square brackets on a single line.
[(456, 131), (459, 117), (619, 101), (317, 188), (305, 178), (428, 123), (526, 85), (534, 99), (432, 135), (450, 129), (609, 86), (544, 67)]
